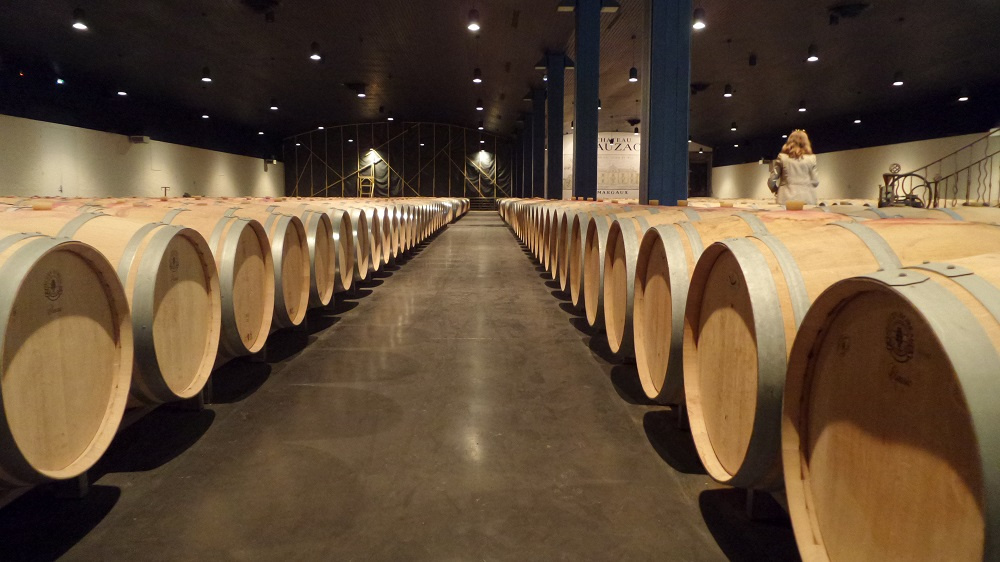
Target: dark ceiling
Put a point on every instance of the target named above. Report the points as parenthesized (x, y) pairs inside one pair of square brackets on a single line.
[(417, 58)]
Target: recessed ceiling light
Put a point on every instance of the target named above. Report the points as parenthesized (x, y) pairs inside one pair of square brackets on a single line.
[(963, 98), (857, 121), (350, 140), (60, 81), (314, 50), (698, 22), (260, 132), (390, 118), (633, 74), (473, 20), (361, 90), (482, 142), (784, 136), (736, 145), (206, 76), (122, 93), (701, 151), (205, 116), (298, 144), (813, 54), (320, 128), (78, 22), (421, 144), (689, 139)]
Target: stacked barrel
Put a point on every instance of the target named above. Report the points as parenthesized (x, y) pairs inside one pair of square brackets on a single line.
[(844, 353), (107, 304)]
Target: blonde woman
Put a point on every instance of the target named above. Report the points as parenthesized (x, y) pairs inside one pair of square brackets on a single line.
[(793, 172)]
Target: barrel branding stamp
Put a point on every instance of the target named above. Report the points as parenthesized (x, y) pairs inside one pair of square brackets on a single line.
[(899, 337), (53, 285), (175, 262)]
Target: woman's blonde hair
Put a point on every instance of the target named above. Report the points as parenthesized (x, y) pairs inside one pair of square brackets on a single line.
[(797, 144)]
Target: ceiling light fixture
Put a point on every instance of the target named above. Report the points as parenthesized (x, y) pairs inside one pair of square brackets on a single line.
[(78, 22), (728, 92), (857, 121), (477, 76), (733, 126), (897, 79), (122, 93), (689, 140), (350, 140), (963, 94), (572, 125), (545, 78), (482, 142), (206, 75), (633, 74), (699, 19), (784, 136), (361, 91), (479, 105), (274, 104), (298, 144), (813, 54), (736, 145), (320, 128), (481, 125), (598, 104), (473, 20), (314, 49), (636, 133), (60, 81), (260, 133), (802, 106), (390, 118), (421, 144), (205, 116), (701, 151)]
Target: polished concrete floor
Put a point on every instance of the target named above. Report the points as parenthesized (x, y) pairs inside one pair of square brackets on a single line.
[(453, 410)]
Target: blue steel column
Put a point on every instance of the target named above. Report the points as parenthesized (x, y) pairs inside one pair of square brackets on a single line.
[(588, 72), (526, 157), (556, 69), (538, 143), (663, 171)]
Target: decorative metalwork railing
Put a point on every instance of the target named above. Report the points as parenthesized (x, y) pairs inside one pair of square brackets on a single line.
[(398, 159), (967, 176)]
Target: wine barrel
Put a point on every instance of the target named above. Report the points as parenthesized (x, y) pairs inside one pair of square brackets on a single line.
[(322, 252), (242, 257), (889, 433), (65, 357), (620, 256), (595, 244), (290, 255), (663, 267), (172, 286), (360, 233), (746, 299)]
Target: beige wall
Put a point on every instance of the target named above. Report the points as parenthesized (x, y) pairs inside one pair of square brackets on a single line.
[(854, 174), (36, 158)]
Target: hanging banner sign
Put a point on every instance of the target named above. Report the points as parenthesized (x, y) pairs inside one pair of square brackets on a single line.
[(617, 166)]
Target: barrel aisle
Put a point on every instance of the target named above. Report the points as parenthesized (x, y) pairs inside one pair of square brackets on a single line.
[(453, 411)]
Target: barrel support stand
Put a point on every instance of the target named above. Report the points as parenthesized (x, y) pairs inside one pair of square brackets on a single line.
[(682, 416), (72, 489)]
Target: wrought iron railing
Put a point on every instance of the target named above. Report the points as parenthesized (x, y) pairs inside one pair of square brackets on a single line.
[(967, 176)]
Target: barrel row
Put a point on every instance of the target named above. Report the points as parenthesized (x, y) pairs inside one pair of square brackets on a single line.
[(109, 304), (846, 356)]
